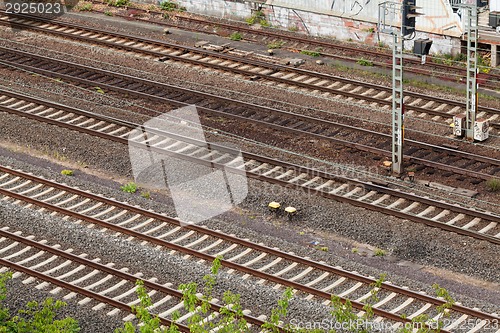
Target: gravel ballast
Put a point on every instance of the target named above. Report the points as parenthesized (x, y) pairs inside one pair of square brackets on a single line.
[(416, 256)]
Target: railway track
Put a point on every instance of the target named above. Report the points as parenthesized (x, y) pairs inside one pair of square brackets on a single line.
[(251, 260), (327, 48), (425, 157), (94, 284), (364, 93), (475, 223)]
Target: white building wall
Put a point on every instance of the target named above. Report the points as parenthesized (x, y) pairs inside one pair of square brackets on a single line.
[(219, 8), (494, 5), (354, 20), (438, 17)]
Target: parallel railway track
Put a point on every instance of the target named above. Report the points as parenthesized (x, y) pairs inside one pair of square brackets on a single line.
[(424, 156), (329, 49), (363, 93), (313, 279), (153, 227), (101, 286), (470, 222)]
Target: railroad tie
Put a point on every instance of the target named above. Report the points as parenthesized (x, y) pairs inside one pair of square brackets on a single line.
[(472, 223), (28, 105), (456, 219), (454, 110), (476, 328), (13, 180), (402, 305), (284, 175), (271, 264), (350, 290), (494, 117), (334, 85), (311, 181), (299, 177), (427, 211), (230, 248), (410, 207), (301, 274), (214, 244), (19, 186), (353, 191), (490, 226), (338, 189), (271, 171), (326, 184), (440, 215), (396, 203), (420, 311), (456, 322)]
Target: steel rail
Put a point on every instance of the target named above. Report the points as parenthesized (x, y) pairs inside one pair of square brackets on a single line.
[(200, 255), (269, 76), (220, 235), (306, 40), (361, 147), (117, 273), (263, 159)]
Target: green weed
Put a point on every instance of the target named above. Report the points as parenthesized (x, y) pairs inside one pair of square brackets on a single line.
[(129, 188), (67, 172), (311, 53), (235, 36), (364, 62)]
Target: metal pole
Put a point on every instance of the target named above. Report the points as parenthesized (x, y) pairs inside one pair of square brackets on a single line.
[(397, 104), (471, 27)]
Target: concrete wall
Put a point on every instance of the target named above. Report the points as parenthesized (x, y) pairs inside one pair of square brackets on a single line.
[(219, 8), (339, 19), (439, 16)]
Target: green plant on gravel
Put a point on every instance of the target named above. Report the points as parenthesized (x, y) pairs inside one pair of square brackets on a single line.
[(67, 172), (129, 188), (379, 252), (484, 64), (99, 90), (119, 3), (231, 319), (293, 28), (108, 13), (84, 7), (310, 53), (258, 16), (382, 45), (493, 185), (171, 6), (146, 195), (364, 62), (275, 45), (264, 23), (235, 36), (35, 317)]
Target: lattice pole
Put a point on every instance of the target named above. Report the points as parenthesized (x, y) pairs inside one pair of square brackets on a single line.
[(397, 104), (471, 26)]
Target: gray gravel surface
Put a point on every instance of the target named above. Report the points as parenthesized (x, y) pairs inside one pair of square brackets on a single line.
[(89, 321), (466, 267), (146, 259), (329, 223)]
